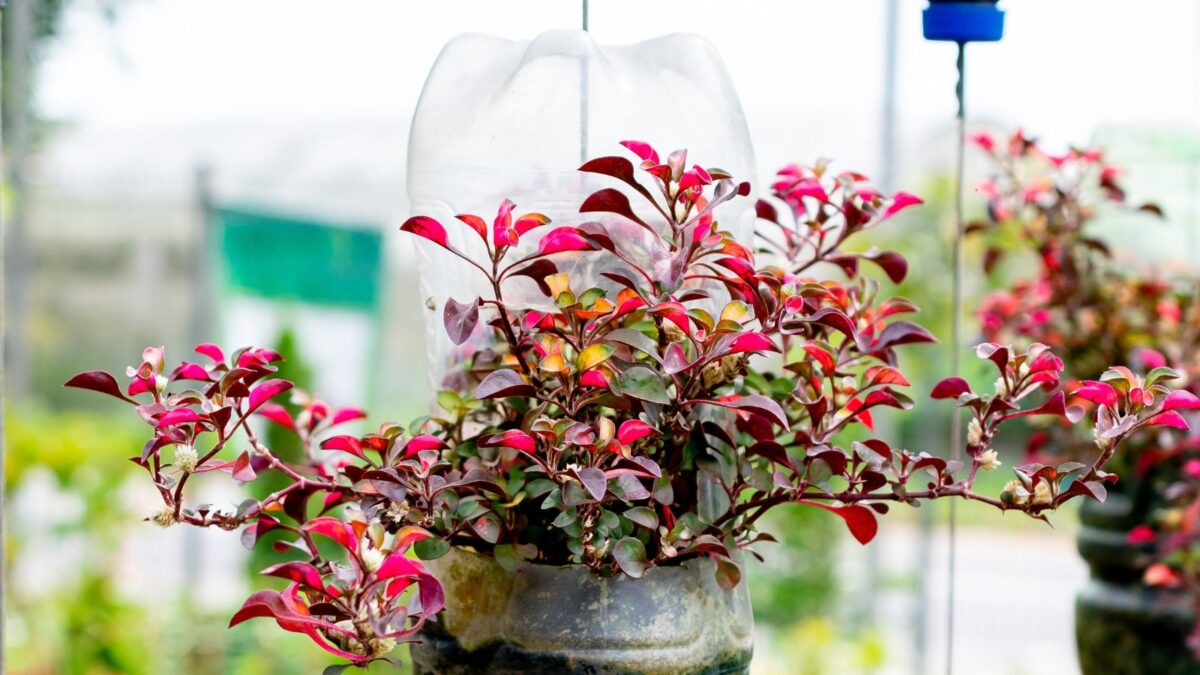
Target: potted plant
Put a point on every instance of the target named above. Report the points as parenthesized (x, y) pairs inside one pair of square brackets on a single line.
[(584, 498), (1098, 311)]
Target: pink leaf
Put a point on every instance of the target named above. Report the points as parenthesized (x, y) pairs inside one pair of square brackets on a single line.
[(562, 239), (594, 378), (634, 430), (1142, 534), (1181, 399), (502, 232), (513, 438), (1168, 419), (1099, 393), (642, 150), (1151, 359), (212, 351), (428, 228), (901, 201), (178, 416), (191, 371), (348, 414), (265, 391), (751, 341), (421, 443)]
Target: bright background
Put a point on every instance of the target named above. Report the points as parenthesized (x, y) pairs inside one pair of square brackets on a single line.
[(304, 107)]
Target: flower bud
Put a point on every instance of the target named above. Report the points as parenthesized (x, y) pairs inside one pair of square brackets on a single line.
[(974, 432), (1013, 493), (1043, 495), (1002, 386), (989, 460), (164, 517)]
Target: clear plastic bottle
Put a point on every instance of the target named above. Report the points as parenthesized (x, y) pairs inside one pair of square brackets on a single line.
[(514, 119)]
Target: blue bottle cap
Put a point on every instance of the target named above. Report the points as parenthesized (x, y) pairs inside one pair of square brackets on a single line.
[(963, 21)]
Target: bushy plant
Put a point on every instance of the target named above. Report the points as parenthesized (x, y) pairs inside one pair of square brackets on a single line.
[(642, 418), (1099, 311)]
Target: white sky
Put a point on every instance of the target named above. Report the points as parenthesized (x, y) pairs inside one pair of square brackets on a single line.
[(255, 85)]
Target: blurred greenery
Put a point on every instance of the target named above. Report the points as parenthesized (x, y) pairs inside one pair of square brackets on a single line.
[(84, 624)]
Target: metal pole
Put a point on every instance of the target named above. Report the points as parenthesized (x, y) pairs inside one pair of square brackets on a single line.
[(956, 338)]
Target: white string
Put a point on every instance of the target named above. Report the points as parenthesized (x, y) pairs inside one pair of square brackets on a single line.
[(956, 342)]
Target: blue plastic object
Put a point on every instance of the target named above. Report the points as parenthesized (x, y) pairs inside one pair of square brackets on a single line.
[(963, 21)]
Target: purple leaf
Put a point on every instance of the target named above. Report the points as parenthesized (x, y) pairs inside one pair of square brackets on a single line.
[(502, 383), (460, 319)]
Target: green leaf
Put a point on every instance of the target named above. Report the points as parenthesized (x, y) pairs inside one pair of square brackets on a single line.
[(644, 516), (565, 518), (506, 557), (575, 495), (630, 555), (431, 548), (644, 384), (636, 339), (1162, 373)]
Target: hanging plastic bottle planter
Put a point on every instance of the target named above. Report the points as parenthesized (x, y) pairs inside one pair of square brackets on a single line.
[(501, 119)]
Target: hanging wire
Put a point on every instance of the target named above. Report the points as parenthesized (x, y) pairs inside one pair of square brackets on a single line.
[(956, 338)]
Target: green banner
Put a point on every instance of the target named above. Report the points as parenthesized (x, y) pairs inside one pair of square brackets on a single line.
[(284, 257)]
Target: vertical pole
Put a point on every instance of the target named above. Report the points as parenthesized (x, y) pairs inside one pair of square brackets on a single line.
[(16, 249), (3, 376), (583, 93), (956, 339), (14, 261)]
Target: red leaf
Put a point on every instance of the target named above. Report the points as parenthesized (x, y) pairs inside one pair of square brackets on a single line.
[(892, 263), (821, 356), (348, 444), (334, 529), (265, 391), (348, 414), (300, 572), (428, 228), (859, 519), (98, 380), (277, 414), (243, 472), (476, 223), (901, 201), (951, 387), (634, 430), (191, 371), (611, 200), (749, 341), (594, 378), (884, 375)]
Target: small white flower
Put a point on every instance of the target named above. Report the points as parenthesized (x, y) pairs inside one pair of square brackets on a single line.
[(186, 458), (372, 559), (989, 460), (974, 432), (1024, 369), (160, 383), (1001, 386)]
